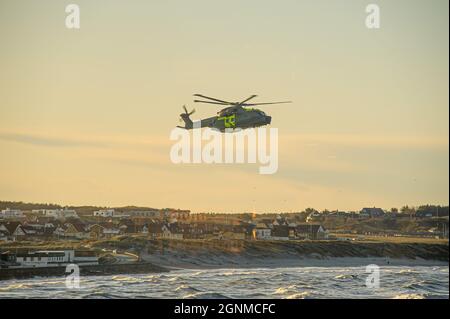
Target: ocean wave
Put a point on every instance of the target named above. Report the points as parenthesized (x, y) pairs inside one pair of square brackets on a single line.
[(186, 288), (206, 295), (292, 283), (346, 277), (15, 287), (126, 279), (409, 296), (283, 290), (300, 295)]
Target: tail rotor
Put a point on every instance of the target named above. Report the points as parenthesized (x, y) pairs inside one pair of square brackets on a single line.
[(185, 117)]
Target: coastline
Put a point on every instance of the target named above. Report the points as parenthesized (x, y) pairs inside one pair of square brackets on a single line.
[(246, 254), (167, 255)]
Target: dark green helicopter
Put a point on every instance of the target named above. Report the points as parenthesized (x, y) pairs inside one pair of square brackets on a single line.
[(237, 115)]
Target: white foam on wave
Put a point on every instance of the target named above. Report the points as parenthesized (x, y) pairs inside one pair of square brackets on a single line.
[(409, 296), (299, 295)]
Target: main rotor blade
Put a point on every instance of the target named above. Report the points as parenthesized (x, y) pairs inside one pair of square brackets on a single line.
[(248, 99), (210, 102), (253, 104), (211, 98)]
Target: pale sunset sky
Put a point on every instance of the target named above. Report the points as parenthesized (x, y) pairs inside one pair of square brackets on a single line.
[(85, 115)]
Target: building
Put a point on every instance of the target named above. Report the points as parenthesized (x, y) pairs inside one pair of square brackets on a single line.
[(57, 213), (11, 213), (175, 214), (280, 232), (47, 258), (104, 213), (43, 258), (171, 231), (71, 230), (4, 236), (262, 231), (13, 230), (311, 232), (314, 216), (144, 213), (371, 212)]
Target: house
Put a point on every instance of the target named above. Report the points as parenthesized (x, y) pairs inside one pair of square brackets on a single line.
[(171, 231), (96, 231), (13, 230), (33, 229), (47, 258), (103, 230), (3, 235), (11, 213), (280, 232), (144, 213), (311, 231), (262, 231), (175, 214), (72, 230), (57, 213), (127, 226), (44, 258), (154, 229), (314, 216), (104, 213), (371, 212)]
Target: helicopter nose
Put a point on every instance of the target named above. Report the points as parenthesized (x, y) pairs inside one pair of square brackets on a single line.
[(268, 119)]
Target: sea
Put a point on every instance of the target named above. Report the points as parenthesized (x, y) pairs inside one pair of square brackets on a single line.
[(398, 282)]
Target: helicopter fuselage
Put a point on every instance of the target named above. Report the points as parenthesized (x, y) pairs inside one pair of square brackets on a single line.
[(242, 118)]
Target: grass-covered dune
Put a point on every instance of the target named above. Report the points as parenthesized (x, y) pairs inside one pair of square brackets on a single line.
[(236, 253), (186, 253)]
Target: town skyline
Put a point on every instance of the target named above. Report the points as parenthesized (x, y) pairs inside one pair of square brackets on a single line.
[(26, 206)]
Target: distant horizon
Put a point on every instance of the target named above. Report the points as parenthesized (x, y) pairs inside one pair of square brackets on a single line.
[(2, 202)]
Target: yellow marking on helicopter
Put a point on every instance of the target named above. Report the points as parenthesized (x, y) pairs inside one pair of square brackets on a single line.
[(228, 121)]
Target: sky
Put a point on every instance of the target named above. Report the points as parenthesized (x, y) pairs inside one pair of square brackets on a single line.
[(86, 114)]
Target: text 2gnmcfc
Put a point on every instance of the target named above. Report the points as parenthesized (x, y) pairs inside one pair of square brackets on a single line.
[(226, 308)]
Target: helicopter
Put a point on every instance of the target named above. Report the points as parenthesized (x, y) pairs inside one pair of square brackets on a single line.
[(236, 115)]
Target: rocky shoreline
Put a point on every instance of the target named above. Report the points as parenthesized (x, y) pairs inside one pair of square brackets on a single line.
[(245, 254)]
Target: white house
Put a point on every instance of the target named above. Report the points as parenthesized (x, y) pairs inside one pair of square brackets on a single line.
[(170, 232), (11, 213), (104, 213), (44, 258), (262, 232), (57, 213), (52, 258)]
